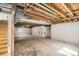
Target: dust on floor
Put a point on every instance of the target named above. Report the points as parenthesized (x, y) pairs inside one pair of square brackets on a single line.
[(44, 47)]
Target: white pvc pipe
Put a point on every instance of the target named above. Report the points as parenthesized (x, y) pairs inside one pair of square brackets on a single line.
[(42, 7)]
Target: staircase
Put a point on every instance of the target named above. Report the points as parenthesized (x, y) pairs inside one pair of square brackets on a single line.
[(3, 38)]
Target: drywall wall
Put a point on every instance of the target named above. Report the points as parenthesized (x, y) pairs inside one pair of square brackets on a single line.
[(68, 32), (22, 33), (41, 31), (3, 16)]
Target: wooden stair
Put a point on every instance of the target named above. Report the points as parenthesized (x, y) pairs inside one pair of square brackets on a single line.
[(4, 38)]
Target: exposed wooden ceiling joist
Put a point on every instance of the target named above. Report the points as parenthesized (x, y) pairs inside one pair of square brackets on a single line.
[(40, 10), (55, 10), (62, 12), (74, 17), (40, 13), (35, 16), (64, 5)]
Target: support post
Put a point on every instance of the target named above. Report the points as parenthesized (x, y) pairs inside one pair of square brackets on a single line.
[(12, 28)]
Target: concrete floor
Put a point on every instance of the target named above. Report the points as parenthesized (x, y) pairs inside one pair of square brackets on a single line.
[(44, 47)]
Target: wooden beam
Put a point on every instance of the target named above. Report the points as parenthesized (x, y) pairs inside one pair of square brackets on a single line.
[(35, 16), (47, 15), (46, 12), (64, 5), (41, 10), (38, 12), (76, 11), (40, 15), (55, 10), (74, 17), (12, 28)]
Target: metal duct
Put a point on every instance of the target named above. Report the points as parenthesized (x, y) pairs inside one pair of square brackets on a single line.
[(30, 21)]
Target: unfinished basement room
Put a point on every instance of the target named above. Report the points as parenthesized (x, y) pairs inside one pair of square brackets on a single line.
[(39, 29)]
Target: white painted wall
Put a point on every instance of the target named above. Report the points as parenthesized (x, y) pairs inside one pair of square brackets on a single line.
[(68, 32), (3, 16), (41, 31), (23, 33), (47, 31)]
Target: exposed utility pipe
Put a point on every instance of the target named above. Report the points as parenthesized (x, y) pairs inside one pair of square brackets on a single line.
[(29, 10), (54, 10), (8, 10), (5, 8), (45, 8), (30, 21), (43, 11), (8, 6)]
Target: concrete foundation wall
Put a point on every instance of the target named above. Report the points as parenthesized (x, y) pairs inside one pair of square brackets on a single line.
[(68, 32), (23, 33), (41, 31)]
